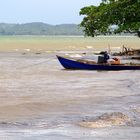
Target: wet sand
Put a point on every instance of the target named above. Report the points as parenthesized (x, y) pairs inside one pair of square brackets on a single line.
[(41, 100)]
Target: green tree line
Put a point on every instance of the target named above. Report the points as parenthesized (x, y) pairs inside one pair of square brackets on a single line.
[(124, 15), (39, 29)]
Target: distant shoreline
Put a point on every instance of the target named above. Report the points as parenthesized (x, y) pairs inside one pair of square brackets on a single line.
[(41, 44), (69, 36), (39, 28)]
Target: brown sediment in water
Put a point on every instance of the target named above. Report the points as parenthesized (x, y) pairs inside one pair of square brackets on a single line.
[(107, 120), (136, 110), (23, 110)]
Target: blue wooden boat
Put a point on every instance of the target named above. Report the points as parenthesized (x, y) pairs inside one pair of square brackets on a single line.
[(73, 64)]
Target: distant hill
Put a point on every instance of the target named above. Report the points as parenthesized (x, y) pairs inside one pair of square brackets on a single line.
[(38, 28)]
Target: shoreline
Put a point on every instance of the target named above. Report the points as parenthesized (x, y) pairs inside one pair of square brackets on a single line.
[(65, 43)]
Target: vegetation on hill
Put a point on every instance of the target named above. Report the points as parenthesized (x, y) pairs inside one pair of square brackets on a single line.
[(37, 28), (124, 14)]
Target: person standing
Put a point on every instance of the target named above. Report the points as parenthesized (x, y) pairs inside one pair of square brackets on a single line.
[(106, 57)]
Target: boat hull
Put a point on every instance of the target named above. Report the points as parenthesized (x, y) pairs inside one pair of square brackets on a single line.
[(72, 64)]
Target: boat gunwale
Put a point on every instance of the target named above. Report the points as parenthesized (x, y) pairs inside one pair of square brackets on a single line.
[(97, 64)]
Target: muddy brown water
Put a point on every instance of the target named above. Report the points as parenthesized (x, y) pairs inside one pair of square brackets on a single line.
[(41, 100)]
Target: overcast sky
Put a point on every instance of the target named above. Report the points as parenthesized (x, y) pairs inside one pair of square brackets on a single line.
[(47, 11)]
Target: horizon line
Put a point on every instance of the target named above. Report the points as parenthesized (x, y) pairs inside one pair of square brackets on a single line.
[(38, 22)]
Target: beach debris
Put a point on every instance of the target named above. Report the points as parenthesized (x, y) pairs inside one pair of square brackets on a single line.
[(116, 48), (27, 50), (48, 51), (23, 53), (107, 120), (128, 52), (75, 55), (16, 50), (89, 47), (38, 53), (66, 54), (136, 57), (136, 110)]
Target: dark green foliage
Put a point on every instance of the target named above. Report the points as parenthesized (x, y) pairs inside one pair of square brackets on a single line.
[(40, 29), (123, 13)]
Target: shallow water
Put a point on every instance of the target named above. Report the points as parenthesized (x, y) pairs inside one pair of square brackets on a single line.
[(41, 100)]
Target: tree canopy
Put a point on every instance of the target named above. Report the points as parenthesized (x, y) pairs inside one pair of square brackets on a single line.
[(124, 14)]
